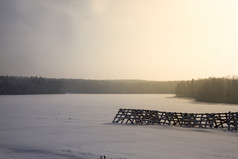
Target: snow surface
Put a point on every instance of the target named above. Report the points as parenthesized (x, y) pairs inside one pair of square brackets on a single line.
[(79, 127)]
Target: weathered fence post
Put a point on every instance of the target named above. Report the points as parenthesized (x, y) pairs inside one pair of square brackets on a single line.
[(229, 121)]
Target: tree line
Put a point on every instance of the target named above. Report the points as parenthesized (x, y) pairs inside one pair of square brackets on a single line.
[(39, 85), (29, 85), (220, 90)]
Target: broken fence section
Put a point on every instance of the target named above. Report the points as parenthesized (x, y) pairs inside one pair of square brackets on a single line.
[(227, 121)]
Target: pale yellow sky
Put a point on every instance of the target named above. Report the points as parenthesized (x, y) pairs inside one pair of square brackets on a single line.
[(119, 39)]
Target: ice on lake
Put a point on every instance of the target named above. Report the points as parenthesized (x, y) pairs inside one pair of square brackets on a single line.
[(78, 126)]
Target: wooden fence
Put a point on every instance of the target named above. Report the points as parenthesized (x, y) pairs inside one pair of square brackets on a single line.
[(227, 121)]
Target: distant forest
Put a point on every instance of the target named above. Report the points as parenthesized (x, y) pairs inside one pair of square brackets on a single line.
[(220, 90), (10, 85)]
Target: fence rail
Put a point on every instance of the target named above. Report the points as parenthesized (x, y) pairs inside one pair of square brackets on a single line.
[(227, 121)]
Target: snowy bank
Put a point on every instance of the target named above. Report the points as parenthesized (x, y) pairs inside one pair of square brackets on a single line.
[(77, 127)]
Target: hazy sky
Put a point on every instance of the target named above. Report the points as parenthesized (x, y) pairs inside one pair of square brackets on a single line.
[(119, 39)]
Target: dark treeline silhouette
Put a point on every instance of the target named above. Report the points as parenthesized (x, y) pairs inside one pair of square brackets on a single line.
[(39, 85), (119, 86), (220, 90), (29, 85)]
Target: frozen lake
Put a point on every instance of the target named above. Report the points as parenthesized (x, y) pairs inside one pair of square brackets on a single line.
[(78, 126)]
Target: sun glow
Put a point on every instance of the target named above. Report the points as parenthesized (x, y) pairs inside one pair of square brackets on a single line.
[(136, 39)]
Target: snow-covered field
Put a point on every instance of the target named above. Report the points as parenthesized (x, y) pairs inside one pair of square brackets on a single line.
[(78, 126)]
